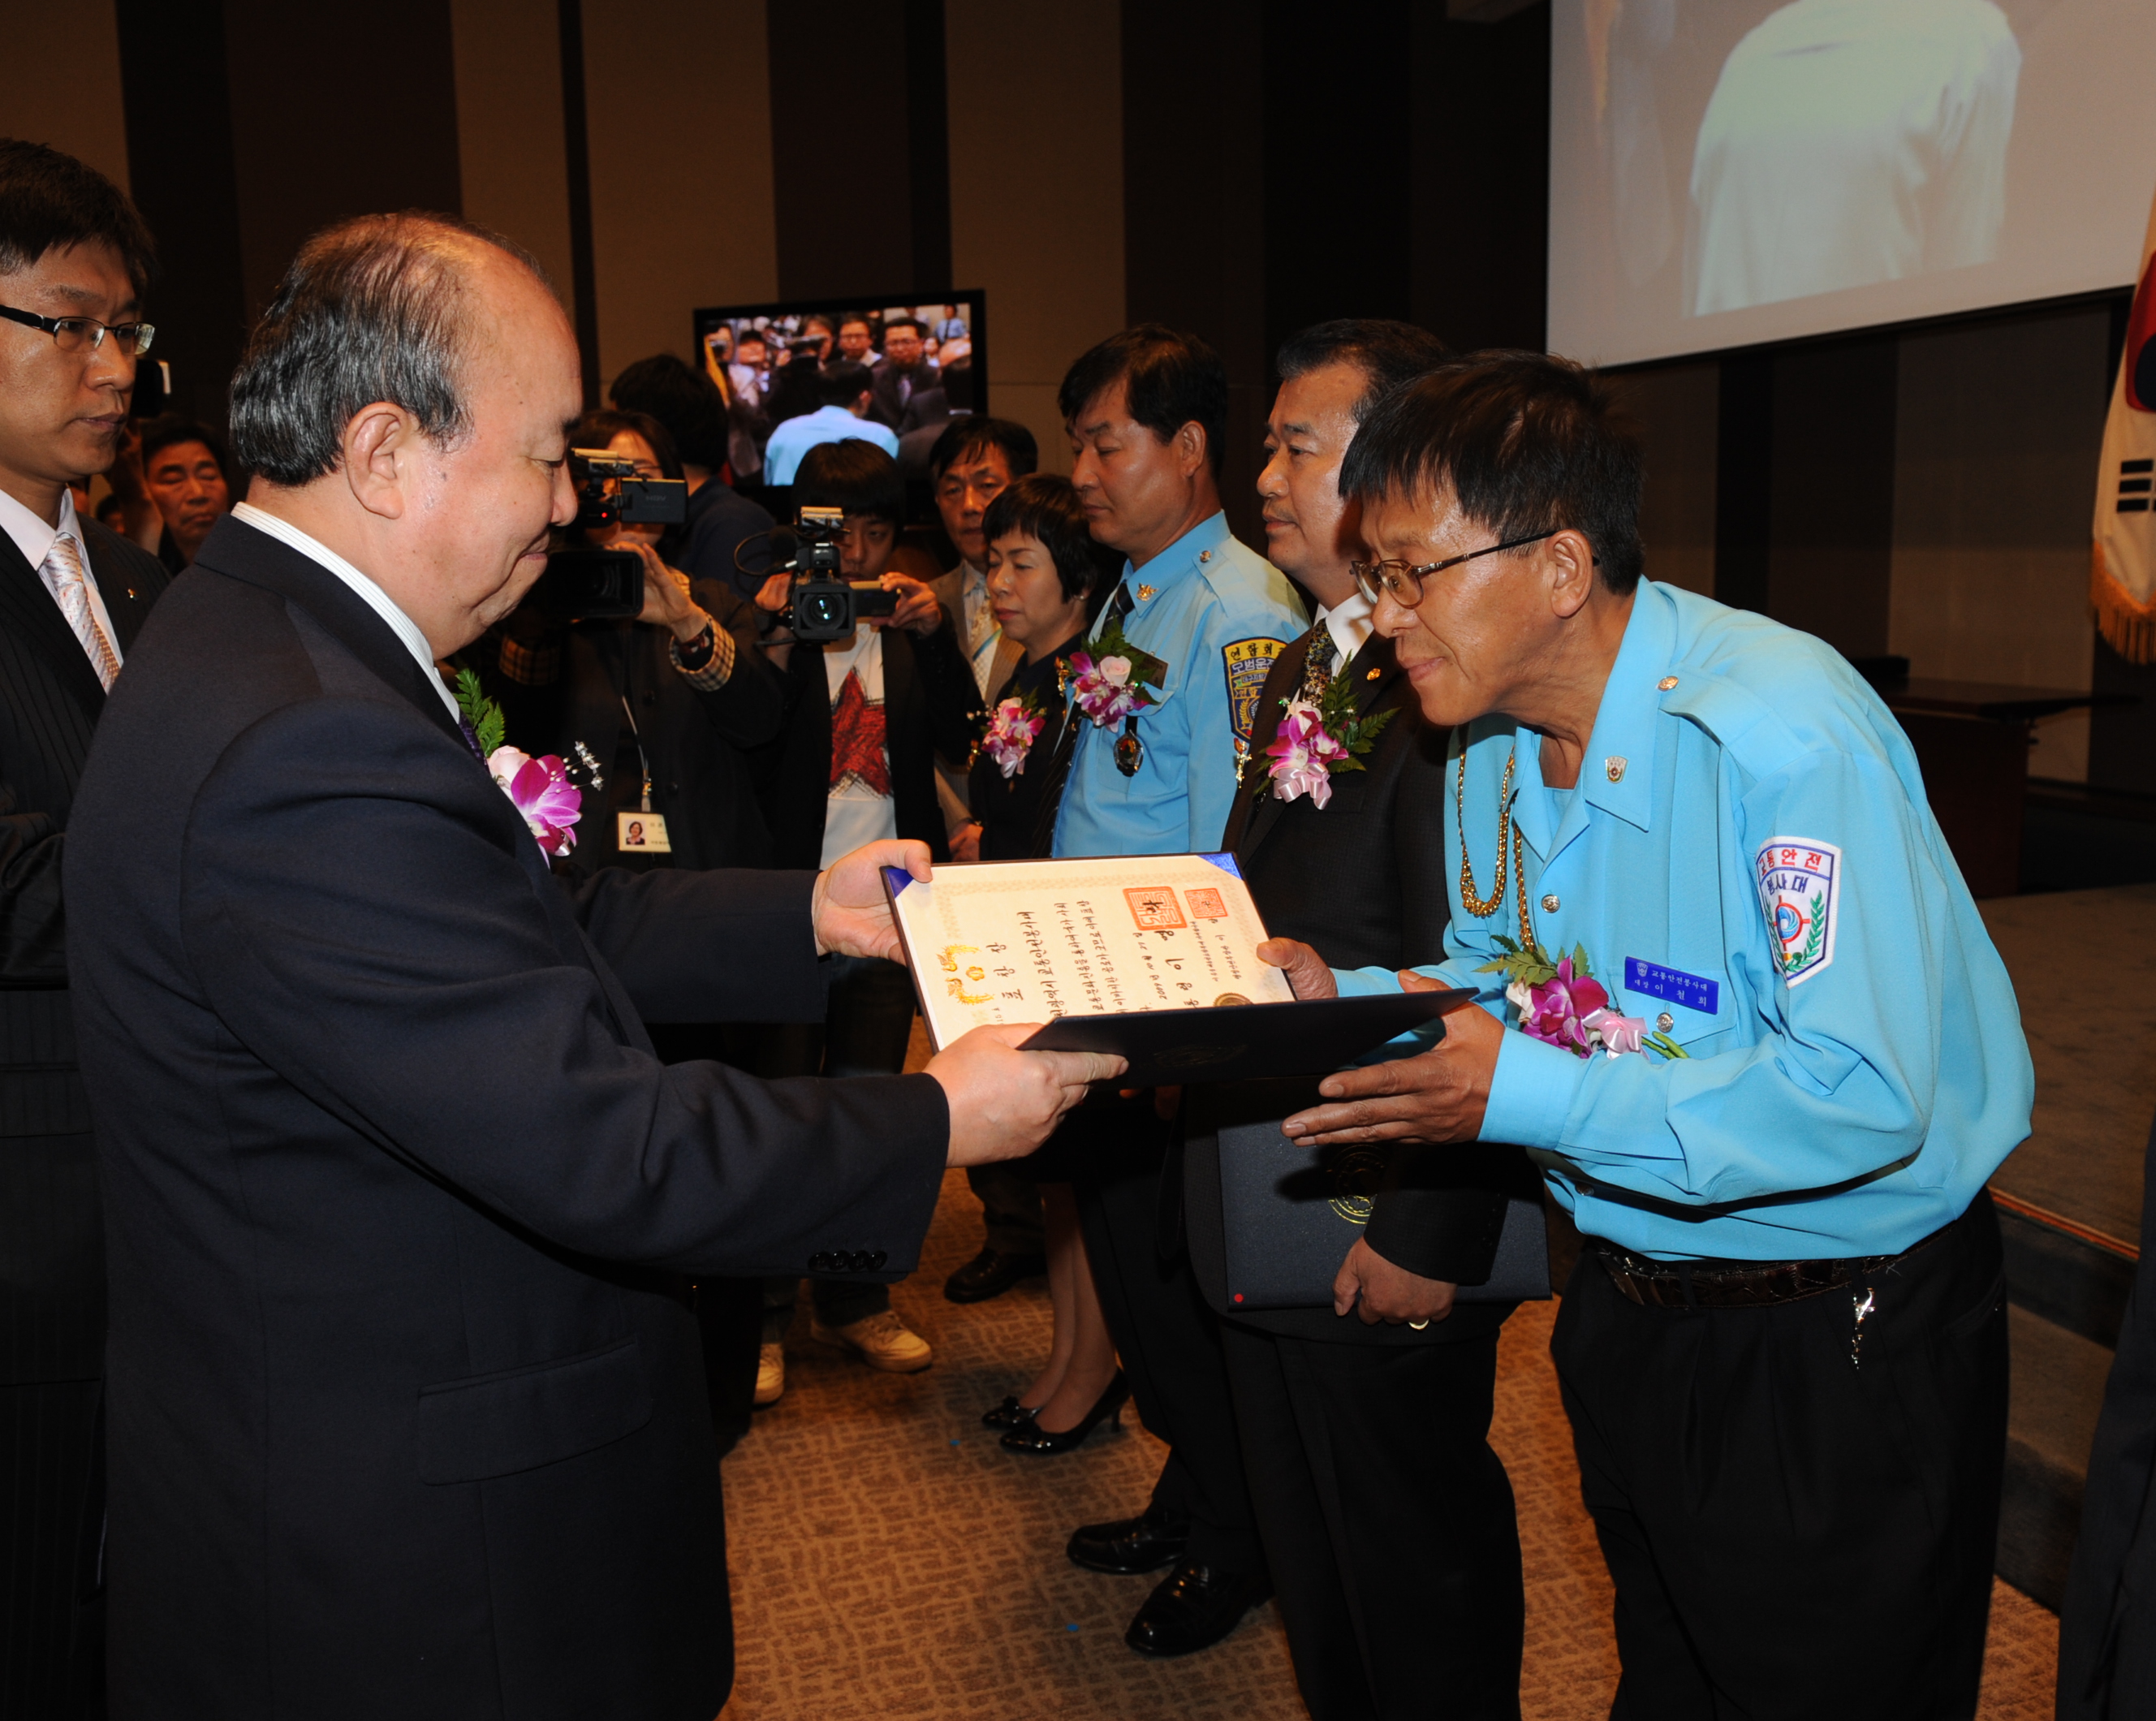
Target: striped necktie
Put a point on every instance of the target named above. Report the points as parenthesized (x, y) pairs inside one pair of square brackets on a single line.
[(62, 572)]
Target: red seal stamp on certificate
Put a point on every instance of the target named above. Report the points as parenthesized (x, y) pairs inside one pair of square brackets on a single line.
[(1206, 905), (1155, 910)]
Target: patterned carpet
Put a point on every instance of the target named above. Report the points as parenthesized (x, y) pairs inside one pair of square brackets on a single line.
[(889, 1560)]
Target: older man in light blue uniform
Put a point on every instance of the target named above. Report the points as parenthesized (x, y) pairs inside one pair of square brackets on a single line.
[(1203, 617), (1778, 1062)]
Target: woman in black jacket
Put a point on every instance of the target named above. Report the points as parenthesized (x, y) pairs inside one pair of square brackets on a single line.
[(1046, 577)]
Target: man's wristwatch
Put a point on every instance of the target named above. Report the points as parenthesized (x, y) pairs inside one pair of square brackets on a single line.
[(693, 655)]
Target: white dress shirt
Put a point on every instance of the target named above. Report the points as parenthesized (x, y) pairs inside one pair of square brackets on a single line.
[(34, 539), (377, 600), (1350, 625)]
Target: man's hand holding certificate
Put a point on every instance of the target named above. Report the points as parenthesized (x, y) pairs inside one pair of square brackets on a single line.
[(1003, 1102), (1151, 958)]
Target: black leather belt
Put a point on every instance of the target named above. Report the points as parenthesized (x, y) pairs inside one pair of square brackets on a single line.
[(1734, 1284)]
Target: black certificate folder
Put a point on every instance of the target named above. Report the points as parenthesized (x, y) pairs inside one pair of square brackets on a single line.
[(1153, 958)]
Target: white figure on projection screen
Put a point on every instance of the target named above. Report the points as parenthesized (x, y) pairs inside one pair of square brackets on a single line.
[(1850, 141)]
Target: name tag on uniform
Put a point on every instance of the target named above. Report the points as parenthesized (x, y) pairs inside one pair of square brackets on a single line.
[(1692, 991), (644, 832)]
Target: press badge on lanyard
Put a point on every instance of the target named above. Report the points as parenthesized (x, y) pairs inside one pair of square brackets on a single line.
[(640, 829)]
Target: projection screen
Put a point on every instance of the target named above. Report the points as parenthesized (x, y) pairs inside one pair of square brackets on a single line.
[(1729, 172)]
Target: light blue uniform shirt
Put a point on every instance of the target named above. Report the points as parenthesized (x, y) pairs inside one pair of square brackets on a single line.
[(1749, 852), (1217, 615), (795, 437)]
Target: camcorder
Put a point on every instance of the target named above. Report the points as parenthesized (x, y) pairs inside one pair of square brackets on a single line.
[(607, 585), (824, 605)]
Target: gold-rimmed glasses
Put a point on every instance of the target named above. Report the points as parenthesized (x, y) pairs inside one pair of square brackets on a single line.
[(1402, 581)]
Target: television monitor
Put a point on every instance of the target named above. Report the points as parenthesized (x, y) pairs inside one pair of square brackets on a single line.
[(1724, 173), (798, 336)]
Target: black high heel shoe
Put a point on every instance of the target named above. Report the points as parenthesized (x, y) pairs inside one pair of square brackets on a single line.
[(1009, 1413), (1029, 1436)]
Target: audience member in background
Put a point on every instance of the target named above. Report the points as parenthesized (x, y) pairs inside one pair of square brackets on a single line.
[(790, 390), (856, 341), (821, 331), (842, 415), (747, 423), (865, 718), (1387, 1519), (72, 594), (665, 705), (972, 462), (1046, 578), (724, 529), (944, 323), (930, 414), (183, 471), (906, 369), (1148, 411)]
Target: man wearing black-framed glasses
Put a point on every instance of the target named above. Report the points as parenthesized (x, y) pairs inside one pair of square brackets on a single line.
[(74, 258)]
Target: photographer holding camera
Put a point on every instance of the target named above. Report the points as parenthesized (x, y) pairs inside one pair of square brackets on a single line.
[(866, 712), (663, 704)]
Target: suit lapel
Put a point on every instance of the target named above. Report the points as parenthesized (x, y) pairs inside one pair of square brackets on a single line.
[(1371, 690), (236, 548), (1255, 813), (27, 609)]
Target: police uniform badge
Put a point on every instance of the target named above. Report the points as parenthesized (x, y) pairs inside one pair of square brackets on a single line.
[(1249, 662), (1800, 880)]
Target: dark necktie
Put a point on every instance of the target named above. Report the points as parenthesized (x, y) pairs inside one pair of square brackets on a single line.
[(1317, 663)]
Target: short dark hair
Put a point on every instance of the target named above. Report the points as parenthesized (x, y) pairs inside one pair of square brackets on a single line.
[(913, 323), (853, 474), (372, 308), (1172, 379), (843, 383), (746, 335), (684, 399), (49, 201), (967, 436), (1390, 353), (1043, 506), (1526, 443), (170, 430), (957, 381), (852, 317), (597, 429)]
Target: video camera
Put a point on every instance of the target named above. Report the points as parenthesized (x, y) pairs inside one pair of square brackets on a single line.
[(824, 605), (596, 585)]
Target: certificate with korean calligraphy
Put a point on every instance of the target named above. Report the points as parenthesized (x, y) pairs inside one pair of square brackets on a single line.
[(1105, 952)]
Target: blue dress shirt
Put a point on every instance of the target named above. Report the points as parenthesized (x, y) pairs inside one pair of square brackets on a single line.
[(1217, 615), (1748, 855), (795, 437)]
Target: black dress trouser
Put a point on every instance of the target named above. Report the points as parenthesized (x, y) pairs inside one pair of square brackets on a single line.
[(1387, 1523), (1169, 1341), (1792, 1534)]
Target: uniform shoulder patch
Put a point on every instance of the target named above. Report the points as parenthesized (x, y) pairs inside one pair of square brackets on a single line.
[(1248, 663), (1799, 891)]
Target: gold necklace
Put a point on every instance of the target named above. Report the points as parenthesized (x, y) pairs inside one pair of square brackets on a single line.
[(1508, 835)]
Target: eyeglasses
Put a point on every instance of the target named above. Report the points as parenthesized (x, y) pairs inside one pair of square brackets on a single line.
[(84, 333), (1402, 583)]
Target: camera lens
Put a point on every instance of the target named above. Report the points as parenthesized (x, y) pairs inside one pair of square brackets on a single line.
[(825, 609)]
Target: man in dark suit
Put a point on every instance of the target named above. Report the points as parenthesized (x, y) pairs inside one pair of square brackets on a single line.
[(406, 1412), (1387, 1519), (72, 596), (904, 371)]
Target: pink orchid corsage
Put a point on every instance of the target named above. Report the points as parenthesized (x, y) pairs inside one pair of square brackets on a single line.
[(1572, 1010), (540, 790), (1304, 753), (1104, 690), (1013, 729)]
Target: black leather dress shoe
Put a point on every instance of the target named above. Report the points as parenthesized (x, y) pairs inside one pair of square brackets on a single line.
[(1128, 1545), (991, 1273), (1194, 1607)]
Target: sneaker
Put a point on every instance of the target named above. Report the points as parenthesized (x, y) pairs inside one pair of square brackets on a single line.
[(770, 1374), (881, 1340)]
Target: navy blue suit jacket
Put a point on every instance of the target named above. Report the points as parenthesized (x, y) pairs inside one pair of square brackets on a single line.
[(407, 1411)]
